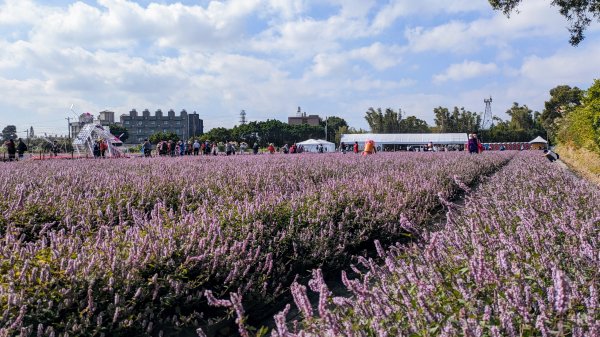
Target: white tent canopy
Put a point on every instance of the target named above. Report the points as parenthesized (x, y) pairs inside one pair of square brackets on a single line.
[(538, 139), (406, 138), (310, 145)]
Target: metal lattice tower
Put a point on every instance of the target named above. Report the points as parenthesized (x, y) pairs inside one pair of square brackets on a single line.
[(84, 141), (487, 121), (243, 117)]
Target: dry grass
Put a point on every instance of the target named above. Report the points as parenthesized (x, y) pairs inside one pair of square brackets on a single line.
[(584, 162)]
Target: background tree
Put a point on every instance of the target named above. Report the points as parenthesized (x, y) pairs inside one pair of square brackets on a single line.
[(333, 125), (412, 124), (460, 120), (562, 100), (346, 130), (219, 134), (120, 131), (523, 126), (578, 13), (10, 131), (380, 122), (160, 136), (443, 120), (581, 127)]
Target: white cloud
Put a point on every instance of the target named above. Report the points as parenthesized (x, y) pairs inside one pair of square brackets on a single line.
[(535, 19), (465, 70), (397, 9)]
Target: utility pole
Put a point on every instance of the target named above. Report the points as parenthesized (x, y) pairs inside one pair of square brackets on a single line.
[(69, 126)]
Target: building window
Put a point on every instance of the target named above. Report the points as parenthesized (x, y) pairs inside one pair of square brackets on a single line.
[(140, 123), (178, 123), (166, 123), (126, 122)]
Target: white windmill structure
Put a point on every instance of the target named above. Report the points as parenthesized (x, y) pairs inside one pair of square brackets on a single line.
[(92, 132)]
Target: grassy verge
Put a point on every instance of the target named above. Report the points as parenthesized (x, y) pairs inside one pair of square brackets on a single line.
[(583, 161)]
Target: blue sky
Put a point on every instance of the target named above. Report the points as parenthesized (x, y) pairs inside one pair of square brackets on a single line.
[(330, 57)]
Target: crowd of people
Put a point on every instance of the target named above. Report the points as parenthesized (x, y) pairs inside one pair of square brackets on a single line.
[(195, 148)]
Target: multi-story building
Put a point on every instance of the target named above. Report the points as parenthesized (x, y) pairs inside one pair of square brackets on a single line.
[(302, 118), (107, 117), (142, 126)]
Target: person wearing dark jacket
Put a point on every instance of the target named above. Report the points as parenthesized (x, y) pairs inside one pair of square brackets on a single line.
[(21, 148), (11, 148)]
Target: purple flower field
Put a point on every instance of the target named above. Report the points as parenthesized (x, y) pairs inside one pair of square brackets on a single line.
[(146, 247), (520, 258)]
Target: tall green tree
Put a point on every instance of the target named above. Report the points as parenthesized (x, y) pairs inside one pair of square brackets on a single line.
[(219, 134), (581, 127), (580, 14), (384, 122), (412, 124), (333, 125), (459, 120), (9, 132), (521, 117), (562, 100)]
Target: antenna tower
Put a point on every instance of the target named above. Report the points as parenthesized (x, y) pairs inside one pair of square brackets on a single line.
[(243, 117), (487, 121)]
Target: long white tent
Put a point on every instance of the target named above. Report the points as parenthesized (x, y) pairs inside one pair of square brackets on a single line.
[(406, 138)]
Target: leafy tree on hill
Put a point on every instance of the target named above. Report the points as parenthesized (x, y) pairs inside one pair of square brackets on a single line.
[(581, 127), (579, 14), (563, 99)]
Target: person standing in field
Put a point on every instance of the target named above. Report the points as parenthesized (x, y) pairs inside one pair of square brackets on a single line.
[(369, 148), (255, 148), (472, 145), (271, 148), (196, 147), (355, 147), (103, 148), (21, 148), (54, 148), (147, 148), (11, 148)]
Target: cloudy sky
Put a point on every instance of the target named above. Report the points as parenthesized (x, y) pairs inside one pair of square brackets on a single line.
[(330, 57)]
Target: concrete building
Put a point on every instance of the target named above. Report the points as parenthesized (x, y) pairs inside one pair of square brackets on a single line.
[(142, 126), (302, 118), (107, 117)]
